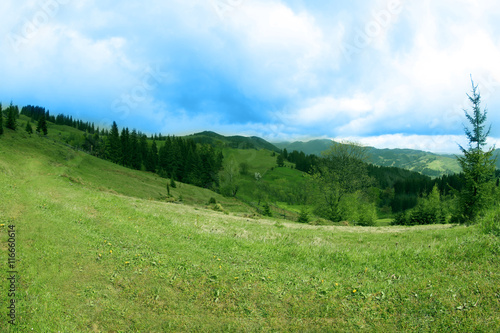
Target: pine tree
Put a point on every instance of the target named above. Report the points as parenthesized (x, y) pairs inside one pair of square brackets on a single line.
[(1, 120), (42, 125), (280, 160), (478, 166), (113, 147), (29, 129), (125, 147), (267, 210), (135, 154), (11, 118)]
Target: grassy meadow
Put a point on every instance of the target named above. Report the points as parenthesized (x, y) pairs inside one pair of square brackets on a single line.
[(101, 248)]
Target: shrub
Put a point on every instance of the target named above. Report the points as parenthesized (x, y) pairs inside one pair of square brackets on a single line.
[(304, 216), (490, 223), (400, 219), (212, 201), (367, 214), (267, 210), (218, 208)]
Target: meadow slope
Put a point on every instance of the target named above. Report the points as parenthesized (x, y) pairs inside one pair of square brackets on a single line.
[(100, 249)]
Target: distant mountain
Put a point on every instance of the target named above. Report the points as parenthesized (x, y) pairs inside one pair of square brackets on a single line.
[(236, 141), (426, 163), (313, 147)]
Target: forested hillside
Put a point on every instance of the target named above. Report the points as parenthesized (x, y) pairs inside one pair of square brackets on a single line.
[(429, 164), (103, 247), (290, 184)]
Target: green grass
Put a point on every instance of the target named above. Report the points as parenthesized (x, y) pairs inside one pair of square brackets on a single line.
[(100, 250)]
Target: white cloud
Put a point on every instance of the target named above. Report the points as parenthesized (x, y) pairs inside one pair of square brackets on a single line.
[(280, 59), (330, 109)]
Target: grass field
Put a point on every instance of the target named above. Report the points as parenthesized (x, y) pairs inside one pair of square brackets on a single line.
[(99, 249)]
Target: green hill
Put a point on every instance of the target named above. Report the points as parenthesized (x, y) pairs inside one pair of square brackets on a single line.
[(101, 248), (433, 165), (426, 163), (315, 147), (236, 141)]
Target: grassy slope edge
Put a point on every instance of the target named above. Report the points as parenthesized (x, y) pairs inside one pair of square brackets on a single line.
[(96, 253)]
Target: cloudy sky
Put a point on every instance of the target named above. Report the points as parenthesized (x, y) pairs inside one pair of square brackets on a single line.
[(388, 73)]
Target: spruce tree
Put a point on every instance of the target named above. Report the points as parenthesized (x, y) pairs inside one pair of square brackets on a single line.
[(11, 118), (151, 158), (135, 153), (1, 120), (29, 129), (113, 147), (280, 160), (478, 166), (42, 125), (125, 148)]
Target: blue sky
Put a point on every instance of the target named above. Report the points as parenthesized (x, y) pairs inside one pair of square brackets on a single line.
[(389, 73)]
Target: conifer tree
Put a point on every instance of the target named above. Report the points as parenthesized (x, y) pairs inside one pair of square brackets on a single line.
[(135, 154), (29, 129), (11, 118), (42, 125), (1, 120), (143, 146), (478, 166), (280, 160), (152, 158), (125, 147), (113, 148)]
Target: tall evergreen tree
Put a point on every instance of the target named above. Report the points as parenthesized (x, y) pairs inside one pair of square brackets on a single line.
[(143, 146), (42, 125), (113, 147), (125, 147), (135, 154), (152, 158), (11, 118), (478, 166), (280, 160), (1, 119)]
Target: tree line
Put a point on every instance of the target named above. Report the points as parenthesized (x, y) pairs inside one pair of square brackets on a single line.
[(171, 157)]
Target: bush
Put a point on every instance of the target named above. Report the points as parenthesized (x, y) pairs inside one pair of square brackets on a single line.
[(400, 219), (428, 211), (490, 223), (212, 201), (367, 214), (267, 210), (366, 220), (218, 208), (304, 216)]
